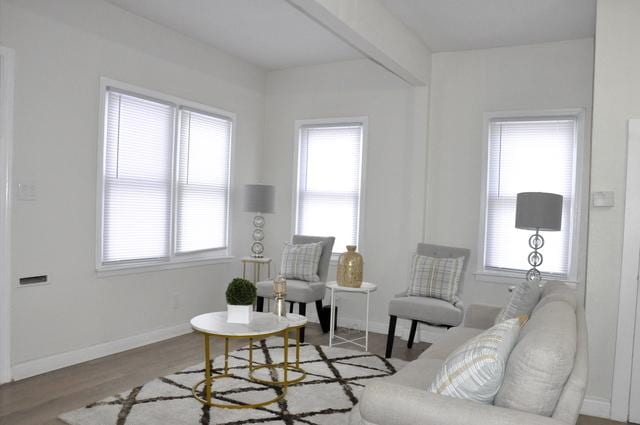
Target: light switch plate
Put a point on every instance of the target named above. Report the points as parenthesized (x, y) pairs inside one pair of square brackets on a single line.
[(603, 199)]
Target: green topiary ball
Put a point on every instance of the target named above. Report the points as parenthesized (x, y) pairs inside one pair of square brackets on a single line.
[(240, 292)]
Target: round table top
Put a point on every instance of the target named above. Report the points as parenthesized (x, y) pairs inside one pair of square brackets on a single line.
[(366, 287), (262, 324)]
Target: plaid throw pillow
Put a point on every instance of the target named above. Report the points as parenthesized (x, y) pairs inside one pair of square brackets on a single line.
[(435, 277), (300, 261)]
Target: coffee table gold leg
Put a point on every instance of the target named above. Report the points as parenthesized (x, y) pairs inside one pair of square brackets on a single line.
[(207, 368), (298, 347), (251, 354), (226, 356), (286, 357)]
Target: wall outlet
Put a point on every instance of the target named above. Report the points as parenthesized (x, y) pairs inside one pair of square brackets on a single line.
[(27, 191)]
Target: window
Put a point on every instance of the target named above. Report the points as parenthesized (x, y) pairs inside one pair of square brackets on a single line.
[(530, 154), (165, 181), (329, 183)]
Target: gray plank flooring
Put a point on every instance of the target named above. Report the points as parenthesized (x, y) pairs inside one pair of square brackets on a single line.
[(40, 399)]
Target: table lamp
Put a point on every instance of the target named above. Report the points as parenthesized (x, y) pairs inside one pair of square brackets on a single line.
[(258, 199), (538, 211)]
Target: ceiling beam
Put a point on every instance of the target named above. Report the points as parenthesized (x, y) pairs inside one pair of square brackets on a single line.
[(370, 28)]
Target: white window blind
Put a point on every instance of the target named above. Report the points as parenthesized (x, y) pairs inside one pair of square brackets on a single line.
[(203, 181), (329, 182), (166, 177), (137, 178), (529, 155)]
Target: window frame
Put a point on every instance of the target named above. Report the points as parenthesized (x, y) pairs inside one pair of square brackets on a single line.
[(174, 260), (362, 120), (580, 183)]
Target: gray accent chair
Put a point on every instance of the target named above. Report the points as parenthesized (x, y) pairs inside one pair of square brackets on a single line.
[(299, 291), (431, 311)]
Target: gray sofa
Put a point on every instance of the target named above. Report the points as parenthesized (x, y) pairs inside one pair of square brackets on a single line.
[(556, 333)]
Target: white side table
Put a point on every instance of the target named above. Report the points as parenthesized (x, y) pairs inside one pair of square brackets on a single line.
[(257, 265), (367, 288)]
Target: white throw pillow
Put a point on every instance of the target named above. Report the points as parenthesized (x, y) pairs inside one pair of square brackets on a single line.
[(523, 299), (475, 370), (300, 261), (435, 277)]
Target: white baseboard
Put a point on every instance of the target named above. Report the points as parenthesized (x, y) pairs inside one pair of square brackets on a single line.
[(594, 406), (58, 361)]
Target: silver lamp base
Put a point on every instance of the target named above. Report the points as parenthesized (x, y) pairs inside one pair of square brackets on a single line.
[(536, 241)]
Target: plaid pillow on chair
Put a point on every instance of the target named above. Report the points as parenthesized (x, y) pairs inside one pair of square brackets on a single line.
[(435, 277), (300, 261)]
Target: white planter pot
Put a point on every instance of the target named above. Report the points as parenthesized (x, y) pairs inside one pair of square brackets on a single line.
[(239, 313)]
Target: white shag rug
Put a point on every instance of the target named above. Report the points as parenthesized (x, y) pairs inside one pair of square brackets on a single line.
[(335, 378)]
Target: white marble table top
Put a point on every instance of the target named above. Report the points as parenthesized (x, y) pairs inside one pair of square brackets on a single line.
[(261, 324)]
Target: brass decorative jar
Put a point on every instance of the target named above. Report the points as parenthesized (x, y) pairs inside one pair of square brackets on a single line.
[(350, 265), (279, 294)]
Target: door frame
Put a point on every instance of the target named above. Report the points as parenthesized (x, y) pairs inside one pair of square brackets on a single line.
[(621, 386), (7, 74)]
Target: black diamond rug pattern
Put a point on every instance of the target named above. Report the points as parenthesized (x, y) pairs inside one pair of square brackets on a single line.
[(335, 378)]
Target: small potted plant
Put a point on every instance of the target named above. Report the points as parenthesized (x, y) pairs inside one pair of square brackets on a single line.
[(241, 294)]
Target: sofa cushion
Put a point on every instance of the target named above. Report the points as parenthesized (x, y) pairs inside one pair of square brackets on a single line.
[(300, 261), (435, 277), (418, 373), (523, 299), (450, 340), (475, 370), (424, 309), (541, 360), (297, 290)]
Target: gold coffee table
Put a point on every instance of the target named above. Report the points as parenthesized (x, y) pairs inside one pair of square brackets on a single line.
[(263, 325)]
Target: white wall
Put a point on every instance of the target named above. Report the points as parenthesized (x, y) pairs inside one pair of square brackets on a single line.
[(62, 50), (465, 85), (395, 165), (616, 99)]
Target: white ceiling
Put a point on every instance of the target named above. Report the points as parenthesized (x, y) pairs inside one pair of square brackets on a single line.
[(269, 33), (275, 35), (446, 25)]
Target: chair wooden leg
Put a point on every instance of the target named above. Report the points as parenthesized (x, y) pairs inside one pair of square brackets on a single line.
[(390, 335), (260, 304), (324, 321), (302, 309), (412, 333)]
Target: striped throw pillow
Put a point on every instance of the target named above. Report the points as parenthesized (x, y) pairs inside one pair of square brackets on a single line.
[(475, 370), (435, 277), (300, 261)]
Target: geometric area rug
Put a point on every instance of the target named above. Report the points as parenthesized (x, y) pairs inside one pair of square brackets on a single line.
[(335, 379)]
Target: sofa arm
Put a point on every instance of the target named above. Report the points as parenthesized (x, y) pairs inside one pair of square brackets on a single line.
[(384, 403), (480, 316)]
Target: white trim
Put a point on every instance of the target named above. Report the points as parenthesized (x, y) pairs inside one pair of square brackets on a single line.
[(425, 333), (175, 260), (594, 406), (621, 386), (364, 120), (58, 361), (579, 188), (7, 69)]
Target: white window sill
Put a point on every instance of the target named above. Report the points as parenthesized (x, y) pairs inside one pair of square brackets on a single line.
[(512, 278), (125, 269)]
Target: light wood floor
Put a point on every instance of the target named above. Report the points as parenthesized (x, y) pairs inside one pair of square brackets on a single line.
[(39, 400)]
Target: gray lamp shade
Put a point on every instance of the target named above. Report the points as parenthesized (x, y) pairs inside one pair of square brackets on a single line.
[(259, 198), (539, 210)]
